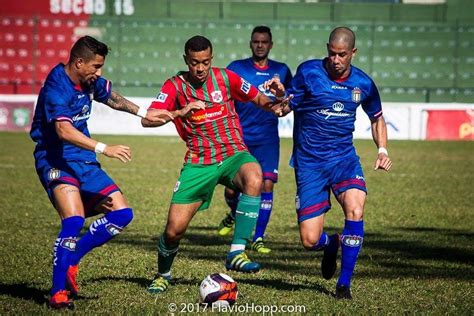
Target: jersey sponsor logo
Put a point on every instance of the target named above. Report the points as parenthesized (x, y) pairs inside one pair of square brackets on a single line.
[(328, 113), (80, 96), (208, 115), (176, 186), (68, 243), (352, 240), (258, 73), (113, 229), (161, 97), (245, 86), (338, 106), (54, 174), (84, 115), (356, 95), (216, 96), (336, 87)]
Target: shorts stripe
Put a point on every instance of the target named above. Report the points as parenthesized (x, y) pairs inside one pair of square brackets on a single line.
[(313, 211), (65, 180), (270, 176), (351, 182), (101, 195)]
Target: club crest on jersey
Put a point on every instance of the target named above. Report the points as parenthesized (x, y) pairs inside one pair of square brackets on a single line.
[(352, 240), (245, 86), (356, 95), (54, 174), (216, 96), (161, 97)]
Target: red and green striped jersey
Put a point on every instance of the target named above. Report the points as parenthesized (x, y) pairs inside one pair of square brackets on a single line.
[(214, 133)]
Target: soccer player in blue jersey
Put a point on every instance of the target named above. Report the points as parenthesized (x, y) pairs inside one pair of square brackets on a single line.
[(65, 160), (326, 94), (260, 129)]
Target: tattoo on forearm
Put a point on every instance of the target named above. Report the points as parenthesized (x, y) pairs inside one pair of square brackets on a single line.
[(118, 102)]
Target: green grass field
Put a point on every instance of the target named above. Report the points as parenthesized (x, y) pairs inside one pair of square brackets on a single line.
[(417, 256)]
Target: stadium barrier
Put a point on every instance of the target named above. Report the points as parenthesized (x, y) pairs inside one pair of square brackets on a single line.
[(405, 121)]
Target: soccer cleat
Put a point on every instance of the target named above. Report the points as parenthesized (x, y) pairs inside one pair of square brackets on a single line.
[(159, 285), (71, 280), (259, 246), (60, 300), (329, 264), (226, 225), (238, 261), (343, 292)]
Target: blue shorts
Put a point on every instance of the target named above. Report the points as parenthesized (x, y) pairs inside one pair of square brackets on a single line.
[(268, 156), (313, 185), (93, 183)]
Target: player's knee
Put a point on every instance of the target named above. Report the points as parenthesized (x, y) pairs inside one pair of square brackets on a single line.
[(309, 241), (355, 213), (173, 236), (253, 185)]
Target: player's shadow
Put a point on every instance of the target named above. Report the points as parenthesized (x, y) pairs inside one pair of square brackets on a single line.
[(281, 285), (24, 291), (143, 282)]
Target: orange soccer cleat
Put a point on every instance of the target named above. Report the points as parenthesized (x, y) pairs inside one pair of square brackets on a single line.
[(60, 300), (71, 282)]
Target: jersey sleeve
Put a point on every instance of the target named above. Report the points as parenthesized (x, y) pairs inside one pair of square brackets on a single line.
[(166, 99), (240, 89), (372, 104), (57, 107), (102, 89), (297, 88)]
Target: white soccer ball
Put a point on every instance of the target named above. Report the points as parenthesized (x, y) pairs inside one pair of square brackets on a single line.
[(218, 289)]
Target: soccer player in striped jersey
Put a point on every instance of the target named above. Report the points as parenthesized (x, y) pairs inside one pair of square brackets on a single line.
[(327, 94), (260, 130), (65, 161), (201, 101)]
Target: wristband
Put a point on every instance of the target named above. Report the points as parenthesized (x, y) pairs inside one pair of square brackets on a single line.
[(383, 150), (142, 112), (100, 147)]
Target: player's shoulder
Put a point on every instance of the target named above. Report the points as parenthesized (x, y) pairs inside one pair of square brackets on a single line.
[(57, 83), (238, 63), (361, 76), (277, 64)]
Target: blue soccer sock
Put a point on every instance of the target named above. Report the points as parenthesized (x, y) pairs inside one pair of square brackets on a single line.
[(351, 243), (64, 246), (101, 231), (264, 213)]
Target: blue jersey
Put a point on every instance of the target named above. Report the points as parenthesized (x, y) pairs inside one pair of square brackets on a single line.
[(259, 126), (325, 112), (61, 100)]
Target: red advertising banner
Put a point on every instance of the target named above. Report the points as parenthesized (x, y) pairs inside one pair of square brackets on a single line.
[(450, 125), (16, 115)]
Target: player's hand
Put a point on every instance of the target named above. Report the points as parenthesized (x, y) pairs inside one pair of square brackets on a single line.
[(283, 108), (121, 152), (158, 115), (190, 107), (383, 162), (274, 86)]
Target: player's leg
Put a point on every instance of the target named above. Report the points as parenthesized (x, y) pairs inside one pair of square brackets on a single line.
[(67, 200), (351, 193), (231, 198), (312, 202), (266, 206), (100, 195), (243, 172), (179, 217), (61, 186)]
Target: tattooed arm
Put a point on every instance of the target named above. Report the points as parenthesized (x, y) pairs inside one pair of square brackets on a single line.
[(120, 103)]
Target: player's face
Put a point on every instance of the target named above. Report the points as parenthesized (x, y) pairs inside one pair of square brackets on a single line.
[(260, 44), (199, 64), (339, 57), (88, 71)]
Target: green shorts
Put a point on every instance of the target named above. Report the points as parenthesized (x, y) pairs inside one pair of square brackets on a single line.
[(197, 182)]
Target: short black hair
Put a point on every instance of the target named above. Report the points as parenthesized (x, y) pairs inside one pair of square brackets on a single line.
[(86, 48), (262, 29), (343, 34), (197, 43)]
